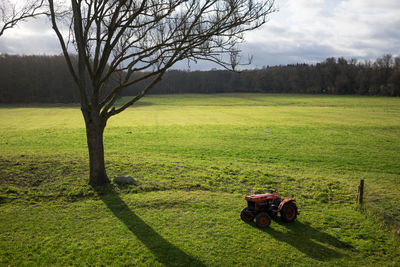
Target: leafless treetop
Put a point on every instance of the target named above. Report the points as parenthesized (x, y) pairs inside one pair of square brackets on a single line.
[(128, 36)]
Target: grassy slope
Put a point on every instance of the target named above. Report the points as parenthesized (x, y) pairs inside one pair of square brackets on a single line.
[(201, 154)]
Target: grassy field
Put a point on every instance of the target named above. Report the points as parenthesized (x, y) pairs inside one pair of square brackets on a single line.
[(194, 158)]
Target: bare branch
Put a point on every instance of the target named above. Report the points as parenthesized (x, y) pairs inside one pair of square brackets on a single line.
[(53, 18), (11, 13)]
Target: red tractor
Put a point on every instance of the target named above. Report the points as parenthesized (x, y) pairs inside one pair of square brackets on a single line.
[(263, 207)]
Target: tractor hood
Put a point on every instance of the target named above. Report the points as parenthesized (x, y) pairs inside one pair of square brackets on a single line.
[(262, 197)]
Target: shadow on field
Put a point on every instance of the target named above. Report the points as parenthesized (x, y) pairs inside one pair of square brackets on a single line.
[(166, 253), (310, 241)]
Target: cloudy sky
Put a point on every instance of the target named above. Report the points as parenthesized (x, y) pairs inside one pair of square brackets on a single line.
[(302, 31)]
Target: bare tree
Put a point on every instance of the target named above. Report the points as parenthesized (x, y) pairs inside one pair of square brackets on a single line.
[(12, 12), (127, 36)]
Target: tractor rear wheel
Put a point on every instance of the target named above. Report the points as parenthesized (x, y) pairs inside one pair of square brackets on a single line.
[(289, 212), (245, 215), (263, 220)]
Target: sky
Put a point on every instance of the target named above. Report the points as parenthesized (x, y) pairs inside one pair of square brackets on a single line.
[(301, 31)]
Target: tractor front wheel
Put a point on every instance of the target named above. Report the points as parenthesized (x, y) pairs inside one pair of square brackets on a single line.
[(246, 216), (263, 220), (289, 212)]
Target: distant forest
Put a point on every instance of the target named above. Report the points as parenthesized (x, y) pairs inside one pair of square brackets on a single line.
[(45, 79)]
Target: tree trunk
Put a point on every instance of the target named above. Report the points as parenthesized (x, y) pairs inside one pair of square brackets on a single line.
[(94, 134)]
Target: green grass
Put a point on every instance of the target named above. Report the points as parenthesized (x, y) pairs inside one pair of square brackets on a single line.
[(194, 157)]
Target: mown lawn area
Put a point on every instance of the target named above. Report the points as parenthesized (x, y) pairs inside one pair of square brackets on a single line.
[(194, 158)]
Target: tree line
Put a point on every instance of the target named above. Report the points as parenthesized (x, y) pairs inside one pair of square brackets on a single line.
[(45, 79)]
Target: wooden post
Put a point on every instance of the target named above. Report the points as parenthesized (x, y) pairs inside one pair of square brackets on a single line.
[(360, 194)]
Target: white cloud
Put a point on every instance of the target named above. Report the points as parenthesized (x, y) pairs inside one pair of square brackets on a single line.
[(34, 36), (313, 30)]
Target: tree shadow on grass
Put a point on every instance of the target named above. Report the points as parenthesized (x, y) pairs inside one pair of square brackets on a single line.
[(166, 253), (315, 244)]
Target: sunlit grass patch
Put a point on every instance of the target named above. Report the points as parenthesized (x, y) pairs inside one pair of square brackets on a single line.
[(193, 158)]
